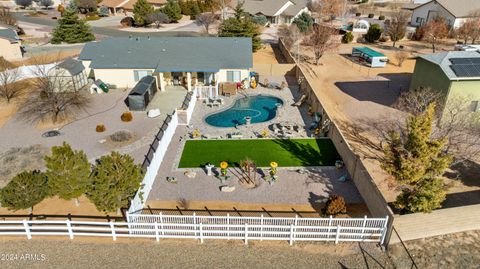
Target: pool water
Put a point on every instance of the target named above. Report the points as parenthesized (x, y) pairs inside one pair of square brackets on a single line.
[(260, 108)]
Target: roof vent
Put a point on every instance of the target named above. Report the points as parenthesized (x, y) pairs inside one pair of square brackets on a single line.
[(129, 36), (164, 50), (148, 37), (137, 38)]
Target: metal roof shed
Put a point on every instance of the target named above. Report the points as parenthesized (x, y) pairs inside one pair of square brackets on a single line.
[(372, 57), (140, 96)]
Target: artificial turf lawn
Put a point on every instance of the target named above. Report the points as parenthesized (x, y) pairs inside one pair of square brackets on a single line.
[(286, 152)]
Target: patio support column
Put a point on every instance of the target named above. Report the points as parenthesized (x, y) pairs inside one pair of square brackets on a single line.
[(215, 76), (161, 81), (189, 81)]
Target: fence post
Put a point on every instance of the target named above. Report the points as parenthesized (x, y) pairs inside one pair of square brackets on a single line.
[(261, 227), (384, 232), (27, 229), (291, 234), (201, 233), (69, 228), (195, 224), (112, 227), (363, 227), (337, 237), (329, 225), (157, 235), (228, 226), (161, 224), (246, 233)]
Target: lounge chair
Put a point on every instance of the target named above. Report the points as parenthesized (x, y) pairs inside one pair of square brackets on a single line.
[(300, 101)]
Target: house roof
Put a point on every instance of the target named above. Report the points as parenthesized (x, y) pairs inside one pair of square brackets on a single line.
[(129, 4), (443, 61), (73, 66), (265, 7), (458, 8), (113, 3), (170, 54), (9, 34), (298, 5)]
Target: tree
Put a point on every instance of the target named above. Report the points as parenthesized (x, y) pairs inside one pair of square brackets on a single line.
[(374, 33), (428, 195), (241, 26), (328, 8), (86, 6), (304, 22), (397, 27), (206, 20), (347, 38), (221, 5), (46, 3), (290, 35), (401, 56), (23, 3), (141, 9), (465, 31), (157, 18), (24, 191), (115, 179), (103, 11), (322, 39), (173, 10), (9, 76), (260, 20), (73, 6), (6, 17), (52, 98), (68, 172), (435, 30), (195, 9), (71, 29)]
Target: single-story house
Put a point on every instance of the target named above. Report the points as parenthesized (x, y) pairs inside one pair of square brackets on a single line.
[(122, 6), (69, 75), (455, 12), (173, 61), (10, 44), (454, 73), (276, 11)]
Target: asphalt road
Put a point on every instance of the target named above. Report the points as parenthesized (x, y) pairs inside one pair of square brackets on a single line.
[(102, 30)]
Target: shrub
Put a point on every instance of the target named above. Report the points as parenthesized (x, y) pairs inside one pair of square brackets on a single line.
[(92, 17), (383, 39), (24, 191), (347, 38), (374, 33), (103, 11), (335, 205), (100, 128), (121, 136), (358, 14), (371, 15), (381, 17), (127, 22), (126, 116), (304, 22), (260, 20)]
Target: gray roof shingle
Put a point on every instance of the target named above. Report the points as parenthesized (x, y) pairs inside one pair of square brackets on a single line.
[(443, 61), (73, 66), (170, 53)]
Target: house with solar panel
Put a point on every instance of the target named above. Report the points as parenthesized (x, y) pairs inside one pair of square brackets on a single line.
[(173, 61), (454, 73)]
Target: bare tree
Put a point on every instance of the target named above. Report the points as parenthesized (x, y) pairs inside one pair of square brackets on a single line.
[(206, 20), (221, 5), (53, 98), (401, 56), (322, 39), (6, 17), (9, 81), (289, 35), (328, 8), (435, 30), (397, 26), (470, 29), (157, 18)]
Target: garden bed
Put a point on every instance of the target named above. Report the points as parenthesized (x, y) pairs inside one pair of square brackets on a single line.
[(286, 152)]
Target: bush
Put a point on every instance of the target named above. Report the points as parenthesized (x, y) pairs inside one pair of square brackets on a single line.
[(260, 20), (100, 128), (419, 33), (92, 17), (425, 197), (304, 22), (358, 14), (381, 17), (103, 11), (371, 15), (121, 136), (383, 39), (127, 22), (374, 33), (335, 205), (347, 38), (24, 191), (126, 116)]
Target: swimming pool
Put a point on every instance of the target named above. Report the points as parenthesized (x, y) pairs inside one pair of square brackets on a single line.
[(259, 108)]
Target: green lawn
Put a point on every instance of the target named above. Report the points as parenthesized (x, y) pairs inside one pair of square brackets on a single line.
[(286, 152)]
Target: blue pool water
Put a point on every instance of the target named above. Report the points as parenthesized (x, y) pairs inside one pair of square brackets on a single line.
[(260, 108)]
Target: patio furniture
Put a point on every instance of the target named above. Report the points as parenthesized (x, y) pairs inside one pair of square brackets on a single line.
[(171, 180), (153, 113), (236, 135), (228, 88), (300, 101)]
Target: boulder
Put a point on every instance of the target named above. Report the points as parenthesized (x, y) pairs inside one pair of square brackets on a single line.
[(190, 174), (152, 113), (227, 188)]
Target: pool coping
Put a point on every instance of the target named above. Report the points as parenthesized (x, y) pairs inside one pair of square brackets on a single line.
[(233, 103)]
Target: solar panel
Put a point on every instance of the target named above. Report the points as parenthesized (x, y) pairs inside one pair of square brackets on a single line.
[(475, 60), (460, 61), (466, 70)]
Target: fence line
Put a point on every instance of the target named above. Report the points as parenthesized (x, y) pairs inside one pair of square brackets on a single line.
[(201, 228)]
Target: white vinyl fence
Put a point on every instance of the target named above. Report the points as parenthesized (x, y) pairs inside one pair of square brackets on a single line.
[(260, 228), (208, 227)]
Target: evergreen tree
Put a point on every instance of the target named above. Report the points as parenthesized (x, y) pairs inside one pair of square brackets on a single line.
[(195, 9), (141, 9), (115, 179), (68, 172), (304, 22), (24, 191), (424, 197), (241, 26), (374, 33), (173, 10), (71, 29)]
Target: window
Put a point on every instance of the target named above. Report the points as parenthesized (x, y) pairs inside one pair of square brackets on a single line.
[(475, 106), (420, 20), (234, 76), (139, 74)]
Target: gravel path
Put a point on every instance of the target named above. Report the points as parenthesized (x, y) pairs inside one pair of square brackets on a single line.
[(189, 254)]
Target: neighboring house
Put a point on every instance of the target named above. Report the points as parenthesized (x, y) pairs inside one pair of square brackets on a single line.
[(454, 73), (276, 11), (455, 12), (69, 75), (173, 61), (10, 45), (122, 6)]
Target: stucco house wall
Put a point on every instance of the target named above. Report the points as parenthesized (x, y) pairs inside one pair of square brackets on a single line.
[(222, 74), (468, 91), (427, 74), (10, 51), (431, 10), (121, 78)]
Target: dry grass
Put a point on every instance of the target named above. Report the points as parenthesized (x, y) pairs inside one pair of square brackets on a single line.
[(18, 159), (47, 58), (7, 110)]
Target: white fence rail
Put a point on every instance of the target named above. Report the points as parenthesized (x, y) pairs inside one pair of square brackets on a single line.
[(260, 228), (201, 228)]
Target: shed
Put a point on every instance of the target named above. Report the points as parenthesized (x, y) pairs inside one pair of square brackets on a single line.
[(141, 95), (372, 57)]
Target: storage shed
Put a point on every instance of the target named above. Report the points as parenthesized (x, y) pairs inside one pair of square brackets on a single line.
[(141, 95), (370, 56)]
